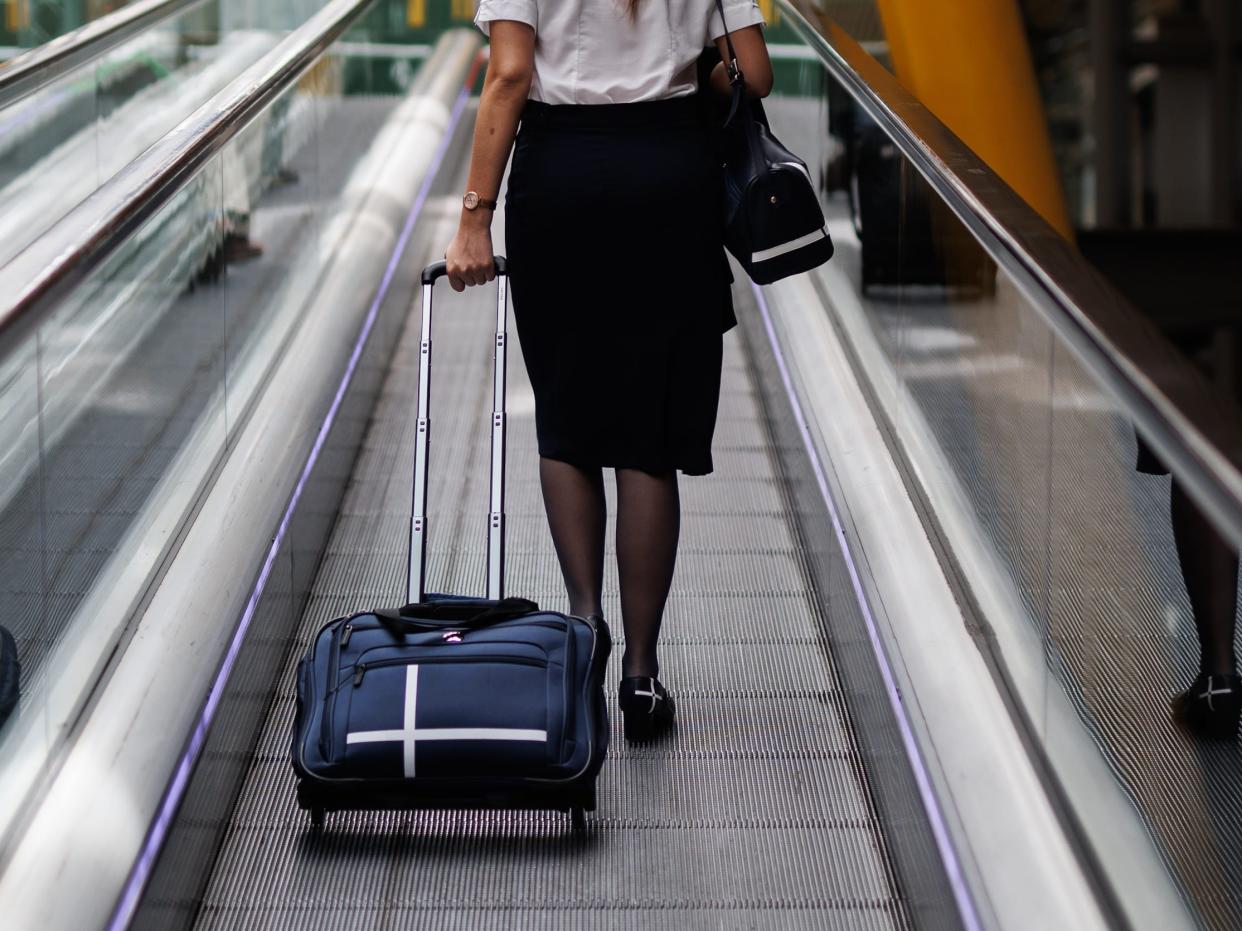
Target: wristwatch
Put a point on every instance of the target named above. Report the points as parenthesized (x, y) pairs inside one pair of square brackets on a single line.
[(472, 201)]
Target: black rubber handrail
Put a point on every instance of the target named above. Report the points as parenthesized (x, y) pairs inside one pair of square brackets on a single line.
[(32, 70), (34, 282), (1193, 427)]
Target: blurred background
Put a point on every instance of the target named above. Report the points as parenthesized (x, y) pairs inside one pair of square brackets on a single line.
[(1037, 211)]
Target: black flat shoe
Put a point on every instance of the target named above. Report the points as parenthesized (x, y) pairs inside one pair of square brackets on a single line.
[(646, 707), (1210, 707)]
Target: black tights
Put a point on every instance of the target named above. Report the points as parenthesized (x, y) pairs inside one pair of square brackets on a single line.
[(1210, 570), (648, 526)]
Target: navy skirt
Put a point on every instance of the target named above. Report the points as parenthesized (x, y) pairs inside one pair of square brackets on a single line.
[(619, 280)]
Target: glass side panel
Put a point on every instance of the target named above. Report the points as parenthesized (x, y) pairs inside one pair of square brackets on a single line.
[(114, 387), (116, 412), (58, 145), (26, 24), (1028, 468)]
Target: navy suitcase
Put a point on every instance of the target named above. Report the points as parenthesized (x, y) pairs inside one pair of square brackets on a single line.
[(453, 701)]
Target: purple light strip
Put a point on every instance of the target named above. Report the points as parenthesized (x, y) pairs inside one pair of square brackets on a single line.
[(953, 866), (158, 832)]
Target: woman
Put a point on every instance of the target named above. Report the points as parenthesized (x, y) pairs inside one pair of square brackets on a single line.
[(619, 279)]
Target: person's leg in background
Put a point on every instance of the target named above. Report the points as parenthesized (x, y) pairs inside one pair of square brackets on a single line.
[(1211, 706), (238, 246), (275, 155), (10, 674)]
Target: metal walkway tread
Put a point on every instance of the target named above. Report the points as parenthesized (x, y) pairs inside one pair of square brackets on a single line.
[(755, 813)]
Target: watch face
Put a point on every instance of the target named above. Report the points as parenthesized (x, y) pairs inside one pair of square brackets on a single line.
[(471, 200)]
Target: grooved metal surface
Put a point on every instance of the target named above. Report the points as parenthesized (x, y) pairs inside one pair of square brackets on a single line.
[(755, 813)]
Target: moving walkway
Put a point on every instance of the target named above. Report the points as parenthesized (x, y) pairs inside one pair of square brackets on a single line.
[(923, 520)]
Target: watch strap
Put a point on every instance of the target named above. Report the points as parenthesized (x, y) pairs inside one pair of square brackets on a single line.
[(478, 201)]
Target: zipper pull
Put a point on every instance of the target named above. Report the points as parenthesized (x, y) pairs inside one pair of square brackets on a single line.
[(359, 671), (346, 634)]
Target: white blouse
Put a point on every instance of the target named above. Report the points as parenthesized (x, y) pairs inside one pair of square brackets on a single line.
[(591, 51)]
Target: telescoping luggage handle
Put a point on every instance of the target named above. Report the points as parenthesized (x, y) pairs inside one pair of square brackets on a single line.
[(417, 578)]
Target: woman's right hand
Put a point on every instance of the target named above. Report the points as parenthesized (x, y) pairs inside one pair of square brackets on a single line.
[(468, 258)]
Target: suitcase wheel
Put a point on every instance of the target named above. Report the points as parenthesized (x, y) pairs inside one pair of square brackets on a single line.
[(577, 815), (316, 816)]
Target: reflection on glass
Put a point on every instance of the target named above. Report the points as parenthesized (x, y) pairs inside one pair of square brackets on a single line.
[(126, 374), (26, 25), (21, 530), (116, 412), (1078, 548), (59, 144)]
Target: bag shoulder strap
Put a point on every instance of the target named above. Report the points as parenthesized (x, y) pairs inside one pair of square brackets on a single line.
[(737, 80), (731, 64)]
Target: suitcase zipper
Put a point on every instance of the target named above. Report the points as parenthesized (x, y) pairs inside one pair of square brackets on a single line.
[(360, 670)]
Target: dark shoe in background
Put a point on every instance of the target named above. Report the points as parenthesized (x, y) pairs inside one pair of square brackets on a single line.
[(1210, 707), (10, 674), (285, 175), (646, 707), (240, 248)]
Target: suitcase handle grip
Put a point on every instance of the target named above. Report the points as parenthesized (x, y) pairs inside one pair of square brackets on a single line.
[(440, 269)]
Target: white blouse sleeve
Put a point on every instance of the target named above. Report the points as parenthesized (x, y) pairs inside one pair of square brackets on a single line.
[(522, 11), (738, 14)]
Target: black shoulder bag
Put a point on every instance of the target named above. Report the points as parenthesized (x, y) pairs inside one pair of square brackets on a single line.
[(774, 225)]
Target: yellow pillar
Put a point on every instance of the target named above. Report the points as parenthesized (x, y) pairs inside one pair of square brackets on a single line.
[(16, 15), (416, 13), (969, 63)]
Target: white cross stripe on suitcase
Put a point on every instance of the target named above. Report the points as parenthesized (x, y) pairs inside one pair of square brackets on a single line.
[(409, 735)]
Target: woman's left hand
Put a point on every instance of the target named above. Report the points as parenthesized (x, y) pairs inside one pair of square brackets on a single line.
[(469, 257)]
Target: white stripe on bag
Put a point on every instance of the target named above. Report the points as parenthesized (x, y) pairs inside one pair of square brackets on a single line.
[(764, 254)]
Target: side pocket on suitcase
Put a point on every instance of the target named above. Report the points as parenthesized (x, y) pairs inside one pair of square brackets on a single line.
[(571, 727), (302, 689), (332, 688), (327, 724), (603, 647), (592, 643)]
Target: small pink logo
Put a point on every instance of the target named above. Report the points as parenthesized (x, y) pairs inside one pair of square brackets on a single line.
[(451, 636)]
